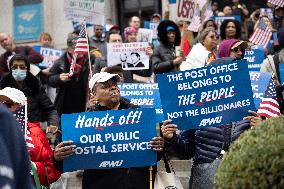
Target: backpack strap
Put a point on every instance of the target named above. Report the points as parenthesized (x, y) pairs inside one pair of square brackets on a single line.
[(276, 63)]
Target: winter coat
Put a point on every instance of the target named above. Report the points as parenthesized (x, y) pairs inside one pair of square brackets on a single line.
[(41, 154), (119, 178), (75, 89), (40, 107), (205, 145), (33, 57), (162, 59), (14, 156)]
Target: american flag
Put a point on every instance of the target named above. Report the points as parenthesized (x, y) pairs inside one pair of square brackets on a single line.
[(20, 117), (195, 24), (269, 107), (81, 47), (279, 3), (261, 35)]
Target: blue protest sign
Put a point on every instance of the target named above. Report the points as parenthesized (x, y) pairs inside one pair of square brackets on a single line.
[(110, 139), (145, 95), (49, 56), (208, 96), (254, 58), (281, 71), (28, 22), (259, 83)]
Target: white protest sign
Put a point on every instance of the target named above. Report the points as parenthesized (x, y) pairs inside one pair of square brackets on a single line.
[(131, 56), (184, 10), (145, 35), (154, 28), (91, 10)]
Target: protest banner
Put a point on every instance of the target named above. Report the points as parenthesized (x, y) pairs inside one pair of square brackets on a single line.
[(281, 71), (144, 95), (181, 9), (145, 35), (110, 139), (49, 56), (254, 58), (259, 83), (208, 96), (131, 56), (90, 10)]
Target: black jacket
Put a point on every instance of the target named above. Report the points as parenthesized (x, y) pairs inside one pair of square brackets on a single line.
[(162, 59), (40, 107), (71, 95), (205, 145), (132, 178)]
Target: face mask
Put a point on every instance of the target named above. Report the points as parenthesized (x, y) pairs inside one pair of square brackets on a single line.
[(19, 75)]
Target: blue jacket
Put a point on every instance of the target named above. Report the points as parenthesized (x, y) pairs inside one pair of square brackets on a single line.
[(14, 160), (205, 145)]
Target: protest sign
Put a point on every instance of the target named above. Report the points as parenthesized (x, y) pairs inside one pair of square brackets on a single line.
[(131, 56), (49, 56), (281, 71), (254, 58), (208, 96), (110, 139), (145, 35), (220, 19), (154, 28), (144, 95), (259, 83), (90, 10), (181, 9)]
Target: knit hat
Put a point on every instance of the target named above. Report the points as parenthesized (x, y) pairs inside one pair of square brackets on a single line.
[(226, 45), (13, 94), (128, 31)]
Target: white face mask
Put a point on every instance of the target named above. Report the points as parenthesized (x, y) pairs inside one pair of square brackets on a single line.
[(19, 75)]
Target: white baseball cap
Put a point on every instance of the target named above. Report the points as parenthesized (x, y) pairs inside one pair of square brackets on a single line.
[(13, 94), (102, 77)]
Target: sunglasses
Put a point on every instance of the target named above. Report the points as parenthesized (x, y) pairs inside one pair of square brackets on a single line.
[(236, 49), (8, 104), (20, 67)]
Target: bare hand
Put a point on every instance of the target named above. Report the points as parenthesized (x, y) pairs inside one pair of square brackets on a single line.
[(178, 60), (254, 119), (45, 71), (157, 144), (51, 129), (64, 150), (168, 129), (64, 77), (149, 51)]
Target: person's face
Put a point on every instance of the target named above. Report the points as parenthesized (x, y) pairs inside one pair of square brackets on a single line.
[(115, 38), (210, 24), (6, 42), (156, 20), (135, 22), (98, 31), (227, 11), (19, 64), (45, 41), (107, 93), (171, 36), (132, 37), (210, 41), (236, 53), (214, 6), (231, 30), (134, 58)]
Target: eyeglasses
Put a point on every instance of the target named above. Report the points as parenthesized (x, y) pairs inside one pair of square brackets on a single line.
[(236, 49), (21, 67), (8, 104), (214, 37)]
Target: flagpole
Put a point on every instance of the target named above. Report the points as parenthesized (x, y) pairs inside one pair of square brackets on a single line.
[(26, 118), (90, 65), (151, 177)]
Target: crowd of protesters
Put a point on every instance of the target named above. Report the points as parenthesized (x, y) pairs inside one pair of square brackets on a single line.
[(93, 87)]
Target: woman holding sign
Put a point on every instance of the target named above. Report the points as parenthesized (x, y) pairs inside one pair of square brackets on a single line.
[(105, 95)]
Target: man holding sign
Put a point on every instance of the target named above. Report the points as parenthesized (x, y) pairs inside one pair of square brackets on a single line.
[(106, 96)]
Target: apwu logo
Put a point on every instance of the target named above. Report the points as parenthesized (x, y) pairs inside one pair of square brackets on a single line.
[(28, 15), (111, 163)]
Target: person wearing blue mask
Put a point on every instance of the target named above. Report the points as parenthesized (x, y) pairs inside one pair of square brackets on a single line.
[(40, 107)]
